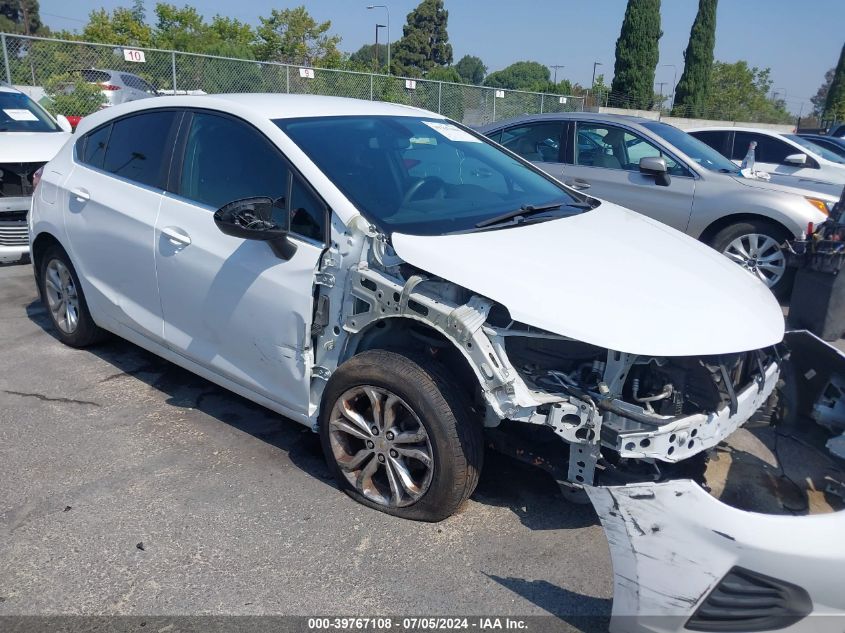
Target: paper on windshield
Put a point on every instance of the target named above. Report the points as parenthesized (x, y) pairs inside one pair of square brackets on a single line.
[(20, 114), (452, 132)]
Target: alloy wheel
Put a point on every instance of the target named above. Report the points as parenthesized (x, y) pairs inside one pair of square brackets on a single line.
[(62, 296), (760, 255), (380, 446)]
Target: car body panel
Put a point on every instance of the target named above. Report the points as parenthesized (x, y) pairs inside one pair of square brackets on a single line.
[(533, 269), (672, 543)]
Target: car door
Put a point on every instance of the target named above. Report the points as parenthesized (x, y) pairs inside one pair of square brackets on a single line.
[(605, 163), (540, 142), (230, 304), (113, 197)]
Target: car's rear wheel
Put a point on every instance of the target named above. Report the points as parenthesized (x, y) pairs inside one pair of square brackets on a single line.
[(755, 245), (62, 295), (399, 437)]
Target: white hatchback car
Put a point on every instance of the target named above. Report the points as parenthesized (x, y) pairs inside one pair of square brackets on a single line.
[(782, 154), (400, 284), (29, 137)]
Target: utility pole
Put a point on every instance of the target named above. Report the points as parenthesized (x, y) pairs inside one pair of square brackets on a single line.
[(661, 84), (383, 6), (555, 67), (593, 82), (674, 80)]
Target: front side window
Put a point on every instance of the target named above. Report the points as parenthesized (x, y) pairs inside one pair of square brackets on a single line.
[(19, 113), (537, 142), (697, 150), (138, 146), (419, 175), (608, 146), (768, 150), (227, 160)]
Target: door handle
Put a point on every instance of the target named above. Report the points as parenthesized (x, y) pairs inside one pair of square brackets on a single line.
[(578, 183), (176, 235), (80, 194)]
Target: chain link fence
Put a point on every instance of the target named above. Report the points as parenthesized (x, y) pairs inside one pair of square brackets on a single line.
[(50, 68)]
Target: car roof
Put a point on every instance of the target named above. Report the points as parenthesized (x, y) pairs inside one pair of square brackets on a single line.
[(263, 106), (737, 128), (4, 87), (566, 116)]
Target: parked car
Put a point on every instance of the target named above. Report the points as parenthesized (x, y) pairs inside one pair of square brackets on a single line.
[(29, 137), (831, 143), (777, 153), (118, 86), (397, 282), (662, 172)]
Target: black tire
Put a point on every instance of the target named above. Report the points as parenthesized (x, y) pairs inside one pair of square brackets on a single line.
[(85, 332), (435, 398), (724, 237)]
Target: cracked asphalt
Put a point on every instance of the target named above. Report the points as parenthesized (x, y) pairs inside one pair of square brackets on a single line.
[(130, 486), (105, 449)]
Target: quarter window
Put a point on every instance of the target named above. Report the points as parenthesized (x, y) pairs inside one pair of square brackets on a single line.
[(94, 148), (537, 142), (138, 146)]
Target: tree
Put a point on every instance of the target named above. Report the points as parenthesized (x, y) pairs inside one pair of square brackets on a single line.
[(526, 75), (691, 91), (362, 59), (117, 27), (293, 36), (441, 73), (72, 96), (471, 69), (740, 93), (21, 16), (820, 97), (834, 105), (425, 40), (636, 55)]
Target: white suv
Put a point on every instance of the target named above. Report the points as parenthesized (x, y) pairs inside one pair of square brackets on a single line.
[(29, 137), (398, 282)]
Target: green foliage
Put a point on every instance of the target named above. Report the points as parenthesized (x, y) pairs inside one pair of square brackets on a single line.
[(820, 98), (471, 69), (293, 36), (636, 55), (118, 27), (72, 96), (425, 41), (21, 16), (526, 75), (364, 58), (444, 74), (834, 106), (692, 89), (740, 93)]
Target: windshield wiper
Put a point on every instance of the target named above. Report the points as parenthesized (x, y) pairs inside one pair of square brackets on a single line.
[(528, 209)]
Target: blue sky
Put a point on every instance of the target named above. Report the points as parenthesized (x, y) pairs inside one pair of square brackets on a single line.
[(799, 41)]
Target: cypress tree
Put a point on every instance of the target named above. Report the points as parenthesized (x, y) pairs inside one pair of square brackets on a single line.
[(834, 107), (425, 41), (636, 55), (691, 91)]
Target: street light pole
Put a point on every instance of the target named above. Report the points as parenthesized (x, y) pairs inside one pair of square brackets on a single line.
[(377, 64), (385, 7), (593, 82)]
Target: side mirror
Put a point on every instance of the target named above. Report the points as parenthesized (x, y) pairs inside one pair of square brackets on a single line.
[(655, 166), (61, 119), (252, 219), (795, 159)]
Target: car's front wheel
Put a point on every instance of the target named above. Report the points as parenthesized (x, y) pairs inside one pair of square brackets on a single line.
[(399, 437), (755, 245), (62, 295)]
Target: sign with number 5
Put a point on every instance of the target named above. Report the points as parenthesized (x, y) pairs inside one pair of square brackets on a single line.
[(131, 55)]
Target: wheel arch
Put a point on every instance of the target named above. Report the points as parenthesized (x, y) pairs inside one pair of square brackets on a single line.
[(714, 227), (42, 242)]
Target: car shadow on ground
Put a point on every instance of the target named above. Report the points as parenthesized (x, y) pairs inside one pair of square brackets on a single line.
[(527, 491)]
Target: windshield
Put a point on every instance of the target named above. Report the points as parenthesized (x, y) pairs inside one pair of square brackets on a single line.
[(424, 176), (816, 149), (19, 113), (700, 152)]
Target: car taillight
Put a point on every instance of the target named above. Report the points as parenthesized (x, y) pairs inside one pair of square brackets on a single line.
[(109, 87), (36, 176)]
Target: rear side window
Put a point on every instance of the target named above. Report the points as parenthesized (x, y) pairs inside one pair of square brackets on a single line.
[(95, 76), (769, 150), (94, 147), (136, 82), (139, 148), (715, 139), (538, 142)]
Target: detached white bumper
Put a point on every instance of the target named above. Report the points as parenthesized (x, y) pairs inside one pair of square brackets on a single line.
[(682, 560)]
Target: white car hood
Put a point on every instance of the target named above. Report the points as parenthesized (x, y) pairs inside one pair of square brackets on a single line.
[(612, 278), (31, 147)]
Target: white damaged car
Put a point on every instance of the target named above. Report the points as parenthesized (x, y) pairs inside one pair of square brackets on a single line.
[(399, 284)]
